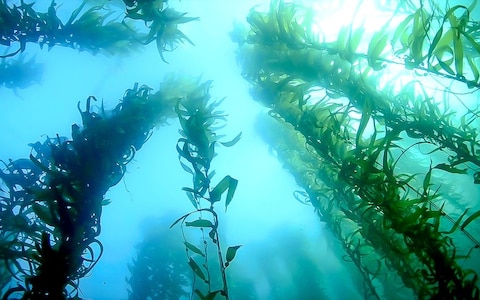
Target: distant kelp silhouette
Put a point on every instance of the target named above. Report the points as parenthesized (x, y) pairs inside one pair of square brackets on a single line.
[(19, 72), (159, 270)]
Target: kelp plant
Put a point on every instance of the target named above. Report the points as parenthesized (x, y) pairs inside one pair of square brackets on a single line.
[(351, 140), (196, 148), (52, 201), (20, 72), (159, 270), (93, 30)]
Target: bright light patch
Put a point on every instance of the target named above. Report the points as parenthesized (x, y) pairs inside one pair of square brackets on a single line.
[(331, 16), (370, 17)]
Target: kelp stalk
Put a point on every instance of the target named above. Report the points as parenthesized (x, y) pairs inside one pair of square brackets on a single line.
[(196, 148), (62, 192)]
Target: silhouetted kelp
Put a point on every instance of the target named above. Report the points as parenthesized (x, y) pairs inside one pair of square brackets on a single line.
[(52, 202), (159, 269), (345, 152), (196, 148), (20, 73), (163, 24), (92, 30)]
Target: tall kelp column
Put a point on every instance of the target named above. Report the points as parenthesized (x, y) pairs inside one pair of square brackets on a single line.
[(52, 202), (377, 159)]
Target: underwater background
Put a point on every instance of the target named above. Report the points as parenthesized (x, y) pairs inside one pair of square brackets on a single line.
[(287, 251)]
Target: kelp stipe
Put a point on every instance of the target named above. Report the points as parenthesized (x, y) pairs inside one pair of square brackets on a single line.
[(52, 202), (344, 137), (196, 148)]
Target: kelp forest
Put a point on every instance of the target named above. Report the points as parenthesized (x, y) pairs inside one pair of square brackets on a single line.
[(375, 119)]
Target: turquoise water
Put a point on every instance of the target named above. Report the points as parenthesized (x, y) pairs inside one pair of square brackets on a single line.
[(286, 253)]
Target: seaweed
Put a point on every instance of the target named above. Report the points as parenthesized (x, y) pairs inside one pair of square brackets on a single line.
[(159, 270), (93, 30), (20, 72), (343, 135), (163, 25), (52, 202), (196, 148)]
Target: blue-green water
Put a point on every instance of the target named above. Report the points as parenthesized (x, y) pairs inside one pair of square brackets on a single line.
[(264, 217), (277, 232)]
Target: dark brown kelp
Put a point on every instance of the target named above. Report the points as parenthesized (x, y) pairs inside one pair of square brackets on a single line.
[(52, 202)]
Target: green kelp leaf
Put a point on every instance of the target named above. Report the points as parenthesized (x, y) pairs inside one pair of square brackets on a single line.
[(450, 169), (231, 190), (458, 27), (366, 113), (227, 182), (190, 190), (192, 195), (178, 220), (233, 141), (426, 180), (231, 252), (443, 53), (457, 223), (353, 42), (472, 41), (199, 223), (193, 248), (75, 13), (183, 151), (196, 269), (458, 48), (210, 154), (470, 219), (106, 202), (436, 222), (210, 295), (434, 43), (185, 167), (192, 199), (200, 294), (404, 179), (445, 65), (401, 33), (435, 214), (211, 174), (375, 48), (421, 21)]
